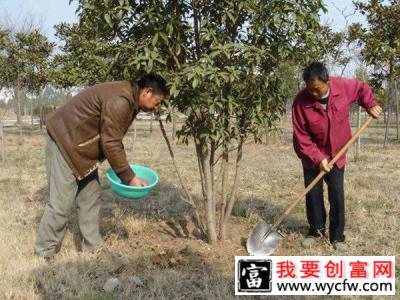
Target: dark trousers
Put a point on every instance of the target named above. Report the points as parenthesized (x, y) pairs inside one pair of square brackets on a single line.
[(316, 213)]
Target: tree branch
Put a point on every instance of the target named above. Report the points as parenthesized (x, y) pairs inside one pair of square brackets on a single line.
[(189, 199)]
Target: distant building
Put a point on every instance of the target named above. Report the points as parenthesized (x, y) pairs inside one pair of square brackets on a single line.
[(75, 90), (6, 95), (48, 92)]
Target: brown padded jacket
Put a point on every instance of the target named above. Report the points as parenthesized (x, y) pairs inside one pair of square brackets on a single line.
[(90, 127)]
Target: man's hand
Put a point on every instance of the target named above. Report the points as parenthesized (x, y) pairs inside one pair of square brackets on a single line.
[(375, 111), (136, 181), (323, 166)]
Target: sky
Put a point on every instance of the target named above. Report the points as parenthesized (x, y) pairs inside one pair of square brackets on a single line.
[(48, 13), (336, 10)]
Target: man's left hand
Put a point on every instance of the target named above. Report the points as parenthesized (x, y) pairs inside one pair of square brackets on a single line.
[(375, 111)]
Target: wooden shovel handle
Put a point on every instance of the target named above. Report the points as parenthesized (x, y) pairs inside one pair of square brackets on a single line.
[(322, 173)]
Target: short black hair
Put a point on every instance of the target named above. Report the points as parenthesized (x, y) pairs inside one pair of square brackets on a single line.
[(155, 82), (316, 70)]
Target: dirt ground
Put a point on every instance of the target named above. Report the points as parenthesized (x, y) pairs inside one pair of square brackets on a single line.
[(154, 239)]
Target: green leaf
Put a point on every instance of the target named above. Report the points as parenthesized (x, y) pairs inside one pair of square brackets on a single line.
[(150, 65), (195, 83), (170, 29), (155, 39), (178, 49), (120, 15), (108, 20), (164, 37), (231, 17)]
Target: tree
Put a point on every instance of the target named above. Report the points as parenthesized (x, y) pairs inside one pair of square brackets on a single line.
[(221, 59), (24, 62), (381, 46), (362, 75), (84, 59)]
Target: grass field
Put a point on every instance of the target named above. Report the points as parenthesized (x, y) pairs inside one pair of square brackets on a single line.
[(153, 238)]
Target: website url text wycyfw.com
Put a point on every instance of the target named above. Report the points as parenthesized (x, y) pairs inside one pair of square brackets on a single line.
[(339, 287)]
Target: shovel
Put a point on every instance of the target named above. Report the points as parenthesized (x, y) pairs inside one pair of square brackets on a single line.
[(264, 238)]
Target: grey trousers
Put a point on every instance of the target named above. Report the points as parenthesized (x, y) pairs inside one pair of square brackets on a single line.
[(66, 193)]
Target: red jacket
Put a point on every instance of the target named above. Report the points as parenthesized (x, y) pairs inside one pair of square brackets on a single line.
[(319, 134)]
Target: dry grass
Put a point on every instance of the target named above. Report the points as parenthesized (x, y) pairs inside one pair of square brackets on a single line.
[(155, 238), (7, 114)]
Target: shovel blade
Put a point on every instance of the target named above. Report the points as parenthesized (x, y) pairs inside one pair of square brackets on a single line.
[(258, 245)]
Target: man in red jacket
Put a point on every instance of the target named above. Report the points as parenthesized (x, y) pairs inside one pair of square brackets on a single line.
[(321, 126)]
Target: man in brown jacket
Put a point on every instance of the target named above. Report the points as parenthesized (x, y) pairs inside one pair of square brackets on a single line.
[(81, 134)]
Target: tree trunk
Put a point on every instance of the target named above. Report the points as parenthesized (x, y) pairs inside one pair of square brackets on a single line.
[(41, 115), (385, 142), (204, 155), (134, 130), (389, 102), (173, 117), (232, 198), (358, 143), (151, 123), (2, 150), (200, 169), (283, 121), (384, 116), (224, 194), (397, 111), (32, 125), (133, 138), (267, 137), (20, 139), (17, 96), (188, 198), (213, 182)]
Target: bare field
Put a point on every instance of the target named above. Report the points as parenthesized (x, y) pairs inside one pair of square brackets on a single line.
[(155, 240)]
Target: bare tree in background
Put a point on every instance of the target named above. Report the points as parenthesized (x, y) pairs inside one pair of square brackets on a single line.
[(389, 112), (349, 52), (23, 22), (346, 52)]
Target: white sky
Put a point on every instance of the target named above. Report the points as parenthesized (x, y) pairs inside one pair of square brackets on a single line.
[(335, 18), (45, 12)]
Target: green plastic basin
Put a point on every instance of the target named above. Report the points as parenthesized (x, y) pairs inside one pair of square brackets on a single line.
[(133, 192)]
